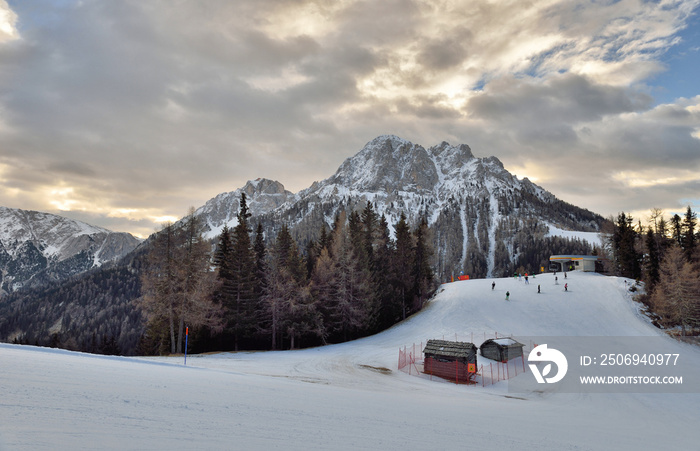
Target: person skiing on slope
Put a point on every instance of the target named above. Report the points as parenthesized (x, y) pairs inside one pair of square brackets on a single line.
[(493, 285), (566, 287), (507, 295), (538, 288)]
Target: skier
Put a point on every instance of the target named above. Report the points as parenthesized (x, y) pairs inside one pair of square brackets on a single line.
[(527, 282), (556, 280), (565, 274), (507, 295), (493, 285), (566, 287), (538, 288)]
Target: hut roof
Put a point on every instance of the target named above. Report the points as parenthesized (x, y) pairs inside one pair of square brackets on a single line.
[(505, 342), (449, 348)]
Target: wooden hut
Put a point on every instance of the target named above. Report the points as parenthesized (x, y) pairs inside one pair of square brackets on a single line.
[(501, 349), (452, 360)]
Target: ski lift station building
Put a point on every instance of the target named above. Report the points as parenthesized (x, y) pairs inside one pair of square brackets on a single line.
[(585, 263)]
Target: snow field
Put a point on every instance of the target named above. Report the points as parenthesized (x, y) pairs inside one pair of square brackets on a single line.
[(350, 395)]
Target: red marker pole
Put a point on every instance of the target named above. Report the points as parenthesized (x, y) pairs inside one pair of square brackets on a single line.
[(187, 335)]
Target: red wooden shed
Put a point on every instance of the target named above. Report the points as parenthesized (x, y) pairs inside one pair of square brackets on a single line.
[(452, 360)]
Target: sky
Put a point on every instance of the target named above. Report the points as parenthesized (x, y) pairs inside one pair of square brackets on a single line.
[(124, 114)]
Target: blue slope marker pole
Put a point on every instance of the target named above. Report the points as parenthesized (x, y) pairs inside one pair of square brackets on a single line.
[(187, 336)]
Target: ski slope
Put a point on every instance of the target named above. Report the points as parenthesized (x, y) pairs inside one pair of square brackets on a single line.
[(351, 395)]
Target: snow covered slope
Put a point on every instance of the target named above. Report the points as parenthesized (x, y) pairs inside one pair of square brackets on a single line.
[(351, 396)]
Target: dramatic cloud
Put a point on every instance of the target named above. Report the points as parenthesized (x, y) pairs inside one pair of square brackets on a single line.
[(126, 113)]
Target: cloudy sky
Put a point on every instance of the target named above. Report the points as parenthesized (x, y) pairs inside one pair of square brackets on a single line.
[(125, 113)]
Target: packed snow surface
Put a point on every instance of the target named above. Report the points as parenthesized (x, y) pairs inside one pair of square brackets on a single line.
[(351, 395)]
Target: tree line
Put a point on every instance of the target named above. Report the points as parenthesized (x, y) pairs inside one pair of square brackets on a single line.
[(91, 313), (666, 256), (249, 292)]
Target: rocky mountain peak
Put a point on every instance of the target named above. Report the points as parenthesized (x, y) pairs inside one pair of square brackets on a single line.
[(388, 163), (468, 201), (263, 186), (262, 196)]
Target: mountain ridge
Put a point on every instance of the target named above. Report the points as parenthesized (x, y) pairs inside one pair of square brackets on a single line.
[(36, 247), (469, 202)]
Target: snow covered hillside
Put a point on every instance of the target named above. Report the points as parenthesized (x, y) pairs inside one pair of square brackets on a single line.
[(351, 395)]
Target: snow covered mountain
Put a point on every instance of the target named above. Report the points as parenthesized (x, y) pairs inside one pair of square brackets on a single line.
[(483, 218), (38, 247)]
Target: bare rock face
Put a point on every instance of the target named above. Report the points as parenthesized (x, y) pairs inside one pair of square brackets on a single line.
[(262, 196)]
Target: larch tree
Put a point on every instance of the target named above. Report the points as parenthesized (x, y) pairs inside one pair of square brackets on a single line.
[(286, 278), (349, 309), (676, 298), (177, 282), (159, 284), (197, 280), (323, 287)]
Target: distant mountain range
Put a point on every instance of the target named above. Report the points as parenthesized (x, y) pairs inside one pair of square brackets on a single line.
[(36, 248)]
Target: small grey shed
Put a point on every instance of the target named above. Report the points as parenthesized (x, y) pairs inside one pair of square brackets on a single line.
[(501, 349)]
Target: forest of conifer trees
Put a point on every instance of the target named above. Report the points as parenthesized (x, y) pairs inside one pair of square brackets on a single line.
[(665, 255), (354, 280)]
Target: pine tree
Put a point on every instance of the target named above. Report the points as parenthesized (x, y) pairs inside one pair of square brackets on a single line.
[(688, 241), (403, 262), (652, 259), (677, 229), (423, 274), (222, 262), (624, 247), (387, 315), (240, 307), (260, 252)]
